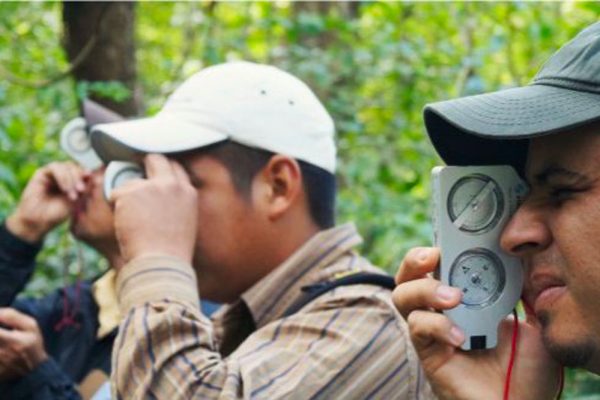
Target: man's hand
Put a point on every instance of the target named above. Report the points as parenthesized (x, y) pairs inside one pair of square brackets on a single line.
[(157, 215), (456, 374), (47, 200), (21, 344)]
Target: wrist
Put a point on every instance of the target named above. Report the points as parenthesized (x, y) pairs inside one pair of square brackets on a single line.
[(28, 231), (169, 252), (39, 358), (158, 254)]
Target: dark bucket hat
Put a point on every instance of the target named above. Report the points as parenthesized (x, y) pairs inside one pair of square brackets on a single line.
[(494, 128)]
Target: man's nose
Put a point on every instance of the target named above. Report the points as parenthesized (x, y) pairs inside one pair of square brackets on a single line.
[(526, 232)]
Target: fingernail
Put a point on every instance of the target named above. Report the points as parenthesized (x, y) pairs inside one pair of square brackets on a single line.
[(422, 254), (80, 186), (456, 336), (446, 293)]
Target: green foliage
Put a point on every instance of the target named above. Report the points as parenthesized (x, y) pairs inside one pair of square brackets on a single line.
[(375, 65), (108, 89)]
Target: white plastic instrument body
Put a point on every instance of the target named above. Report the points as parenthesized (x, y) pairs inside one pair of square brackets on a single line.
[(75, 141), (119, 172)]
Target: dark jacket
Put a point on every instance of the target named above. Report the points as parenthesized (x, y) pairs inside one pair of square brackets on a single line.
[(73, 351)]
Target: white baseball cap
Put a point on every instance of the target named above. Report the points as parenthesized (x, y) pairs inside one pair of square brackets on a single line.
[(252, 104)]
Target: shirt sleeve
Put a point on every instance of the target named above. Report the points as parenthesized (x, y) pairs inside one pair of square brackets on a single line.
[(17, 260), (345, 347)]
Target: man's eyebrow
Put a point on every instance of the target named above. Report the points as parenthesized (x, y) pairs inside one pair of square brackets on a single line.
[(557, 172)]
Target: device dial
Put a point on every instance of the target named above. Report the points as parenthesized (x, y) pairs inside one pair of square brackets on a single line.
[(475, 203), (480, 275), (125, 175), (79, 140)]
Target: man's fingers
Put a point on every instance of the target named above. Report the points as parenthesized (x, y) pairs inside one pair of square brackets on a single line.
[(427, 328), (67, 177), (417, 263), (124, 188), (425, 294), (77, 176), (61, 180), (17, 320), (6, 336), (157, 165), (180, 172)]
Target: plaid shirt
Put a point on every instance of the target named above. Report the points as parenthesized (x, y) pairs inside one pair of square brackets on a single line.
[(348, 343)]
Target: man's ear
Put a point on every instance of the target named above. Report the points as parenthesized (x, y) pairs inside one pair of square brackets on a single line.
[(281, 185)]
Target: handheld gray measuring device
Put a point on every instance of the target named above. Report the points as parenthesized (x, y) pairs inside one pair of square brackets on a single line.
[(119, 172), (75, 136), (75, 141), (471, 206)]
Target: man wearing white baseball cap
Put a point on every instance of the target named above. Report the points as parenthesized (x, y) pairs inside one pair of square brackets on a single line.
[(238, 207)]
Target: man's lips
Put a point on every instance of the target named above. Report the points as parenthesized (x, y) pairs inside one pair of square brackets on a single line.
[(547, 289)]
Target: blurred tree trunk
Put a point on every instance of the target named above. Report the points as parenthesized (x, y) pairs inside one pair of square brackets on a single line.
[(349, 9), (104, 32)]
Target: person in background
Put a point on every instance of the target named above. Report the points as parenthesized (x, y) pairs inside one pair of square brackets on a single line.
[(58, 346)]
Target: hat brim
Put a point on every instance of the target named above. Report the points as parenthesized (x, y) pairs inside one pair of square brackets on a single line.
[(130, 140), (494, 128), (95, 113)]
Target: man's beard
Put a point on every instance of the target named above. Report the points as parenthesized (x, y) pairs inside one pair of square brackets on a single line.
[(575, 354)]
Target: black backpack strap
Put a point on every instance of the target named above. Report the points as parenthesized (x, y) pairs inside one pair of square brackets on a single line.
[(311, 292)]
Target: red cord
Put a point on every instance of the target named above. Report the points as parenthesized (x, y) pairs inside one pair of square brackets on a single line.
[(513, 353), (69, 317), (70, 311)]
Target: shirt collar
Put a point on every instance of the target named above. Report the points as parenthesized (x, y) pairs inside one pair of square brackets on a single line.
[(105, 295), (271, 296)]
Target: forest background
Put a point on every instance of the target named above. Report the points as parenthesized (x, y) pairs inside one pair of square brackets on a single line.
[(375, 65)]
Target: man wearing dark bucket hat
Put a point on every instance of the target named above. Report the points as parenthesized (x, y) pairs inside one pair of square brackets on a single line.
[(242, 213), (550, 132)]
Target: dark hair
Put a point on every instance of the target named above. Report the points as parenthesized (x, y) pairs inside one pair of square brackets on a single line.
[(243, 163)]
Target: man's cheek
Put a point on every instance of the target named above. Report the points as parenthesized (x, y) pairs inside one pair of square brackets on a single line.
[(527, 293)]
